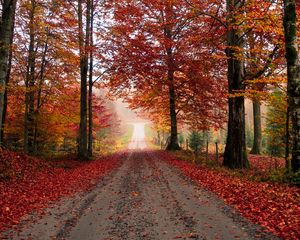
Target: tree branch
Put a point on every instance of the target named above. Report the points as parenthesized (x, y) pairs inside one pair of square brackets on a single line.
[(261, 71)]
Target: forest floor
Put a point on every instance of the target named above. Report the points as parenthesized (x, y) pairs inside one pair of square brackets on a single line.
[(149, 196)]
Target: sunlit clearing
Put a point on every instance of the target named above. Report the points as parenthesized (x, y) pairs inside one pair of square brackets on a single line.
[(138, 140)]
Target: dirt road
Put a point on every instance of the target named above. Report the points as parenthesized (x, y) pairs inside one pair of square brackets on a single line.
[(144, 199)]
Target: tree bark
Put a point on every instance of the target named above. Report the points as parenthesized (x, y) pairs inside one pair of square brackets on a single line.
[(217, 152), (90, 137), (6, 32), (293, 72), (206, 152), (235, 155), (173, 143), (83, 46), (8, 75), (158, 138), (256, 149), (287, 142), (30, 84), (39, 95)]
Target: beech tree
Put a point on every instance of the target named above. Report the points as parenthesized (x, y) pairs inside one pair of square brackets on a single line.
[(235, 155), (161, 19), (30, 79), (293, 74), (83, 39), (251, 50), (37, 60), (263, 57), (161, 63), (43, 91)]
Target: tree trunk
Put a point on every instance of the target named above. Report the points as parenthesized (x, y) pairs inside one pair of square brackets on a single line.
[(287, 142), (158, 138), (83, 46), (90, 137), (8, 75), (235, 155), (30, 84), (293, 72), (256, 149), (206, 152), (173, 143), (6, 32), (217, 152), (39, 95)]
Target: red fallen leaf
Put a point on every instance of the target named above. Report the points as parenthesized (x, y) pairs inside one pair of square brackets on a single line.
[(40, 183), (273, 206), (134, 194)]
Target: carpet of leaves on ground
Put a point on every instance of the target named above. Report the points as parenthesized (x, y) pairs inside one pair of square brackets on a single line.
[(263, 167), (273, 206), (28, 184)]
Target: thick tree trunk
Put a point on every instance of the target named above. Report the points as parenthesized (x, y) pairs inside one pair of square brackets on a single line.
[(235, 155), (7, 77), (293, 72), (90, 137), (6, 31), (256, 149), (173, 143), (83, 45), (287, 142)]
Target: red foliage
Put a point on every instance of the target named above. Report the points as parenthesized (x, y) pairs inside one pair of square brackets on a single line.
[(265, 163), (273, 206), (33, 183), (156, 47)]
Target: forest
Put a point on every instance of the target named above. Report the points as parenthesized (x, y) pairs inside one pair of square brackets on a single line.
[(216, 82)]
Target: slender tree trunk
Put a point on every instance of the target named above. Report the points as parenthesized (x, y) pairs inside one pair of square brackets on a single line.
[(256, 149), (39, 96), (25, 129), (83, 45), (30, 84), (293, 72), (235, 155), (163, 143), (90, 137), (206, 152), (287, 142), (158, 138), (6, 32), (90, 140), (217, 152)]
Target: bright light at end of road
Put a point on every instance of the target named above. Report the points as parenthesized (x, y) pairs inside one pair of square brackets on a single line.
[(138, 140)]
